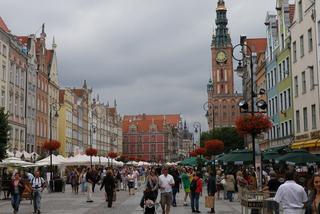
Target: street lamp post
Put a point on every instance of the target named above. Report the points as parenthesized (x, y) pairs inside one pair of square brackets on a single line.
[(92, 129), (53, 107), (197, 128), (243, 105), (206, 107)]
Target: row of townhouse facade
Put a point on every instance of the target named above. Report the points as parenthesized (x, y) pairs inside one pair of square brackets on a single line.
[(40, 109), (288, 69)]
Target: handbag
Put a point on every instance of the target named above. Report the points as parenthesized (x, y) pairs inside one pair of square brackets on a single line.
[(209, 201)]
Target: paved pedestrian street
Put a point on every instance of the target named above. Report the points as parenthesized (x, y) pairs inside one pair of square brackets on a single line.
[(68, 203)]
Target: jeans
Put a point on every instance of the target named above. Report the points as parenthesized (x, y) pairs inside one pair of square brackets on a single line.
[(230, 196), (15, 201), (195, 200), (36, 199), (174, 193)]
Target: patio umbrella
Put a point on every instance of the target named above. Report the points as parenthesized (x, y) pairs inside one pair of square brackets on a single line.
[(240, 156), (12, 161), (298, 157), (270, 155), (191, 161)]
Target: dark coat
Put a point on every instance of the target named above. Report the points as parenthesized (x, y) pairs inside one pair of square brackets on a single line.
[(108, 183), (20, 187), (310, 203), (212, 186)]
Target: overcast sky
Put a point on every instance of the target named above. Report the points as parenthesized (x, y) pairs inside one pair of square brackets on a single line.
[(153, 56)]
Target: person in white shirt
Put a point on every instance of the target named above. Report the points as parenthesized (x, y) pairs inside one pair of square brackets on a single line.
[(38, 185), (166, 182), (291, 196)]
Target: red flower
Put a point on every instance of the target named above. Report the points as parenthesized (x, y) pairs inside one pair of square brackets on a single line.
[(193, 154), (214, 147), (51, 145), (253, 124), (112, 155), (91, 151), (201, 151)]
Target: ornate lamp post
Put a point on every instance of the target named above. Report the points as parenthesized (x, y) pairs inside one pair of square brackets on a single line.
[(93, 128), (207, 106), (197, 128), (243, 105)]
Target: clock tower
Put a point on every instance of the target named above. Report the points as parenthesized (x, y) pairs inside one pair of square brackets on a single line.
[(223, 101)]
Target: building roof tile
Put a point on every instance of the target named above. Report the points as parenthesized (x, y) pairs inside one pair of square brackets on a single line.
[(143, 122), (3, 25), (257, 45)]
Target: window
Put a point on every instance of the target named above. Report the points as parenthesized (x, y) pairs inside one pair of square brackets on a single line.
[(300, 14), (301, 46), (310, 40), (269, 86), (281, 102), (294, 51), (318, 33), (3, 98), (272, 78), (314, 116), (305, 119), (287, 66), (311, 77), (280, 72), (290, 127), (4, 50), (304, 85), (4, 71), (285, 99), (282, 41), (298, 121), (276, 102), (221, 75), (296, 86), (289, 98)]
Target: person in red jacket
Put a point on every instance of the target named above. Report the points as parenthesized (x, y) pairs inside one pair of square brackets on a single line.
[(196, 192)]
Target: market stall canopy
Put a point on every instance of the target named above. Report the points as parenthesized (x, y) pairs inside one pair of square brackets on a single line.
[(236, 157), (96, 160), (298, 157), (56, 161), (191, 161), (134, 163), (13, 161)]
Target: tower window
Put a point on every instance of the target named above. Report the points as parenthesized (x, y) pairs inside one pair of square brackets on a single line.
[(222, 75)]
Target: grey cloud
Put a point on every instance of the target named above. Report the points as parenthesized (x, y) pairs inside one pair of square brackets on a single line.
[(152, 55)]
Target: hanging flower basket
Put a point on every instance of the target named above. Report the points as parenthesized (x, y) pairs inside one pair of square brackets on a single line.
[(51, 145), (214, 147), (112, 155), (91, 151), (193, 154), (201, 151), (253, 124)]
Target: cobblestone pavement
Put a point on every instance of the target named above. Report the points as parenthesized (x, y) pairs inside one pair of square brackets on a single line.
[(68, 203)]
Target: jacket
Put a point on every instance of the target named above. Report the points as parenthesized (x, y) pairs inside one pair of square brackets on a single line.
[(199, 186), (20, 187), (212, 188), (108, 183)]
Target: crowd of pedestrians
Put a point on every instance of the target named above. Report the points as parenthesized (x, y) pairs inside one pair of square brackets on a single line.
[(162, 184)]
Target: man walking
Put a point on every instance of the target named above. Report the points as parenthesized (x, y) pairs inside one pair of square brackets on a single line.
[(90, 181), (38, 185), (212, 188), (166, 182), (291, 196)]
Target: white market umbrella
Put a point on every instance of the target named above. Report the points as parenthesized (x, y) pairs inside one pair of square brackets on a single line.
[(56, 160), (14, 161)]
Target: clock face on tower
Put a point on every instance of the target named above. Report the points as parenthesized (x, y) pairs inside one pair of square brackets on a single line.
[(221, 56)]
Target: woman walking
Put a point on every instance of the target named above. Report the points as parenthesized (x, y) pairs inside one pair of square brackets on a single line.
[(131, 178), (16, 190), (82, 181), (153, 183), (185, 178), (313, 204), (109, 186), (230, 186), (75, 181), (196, 192)]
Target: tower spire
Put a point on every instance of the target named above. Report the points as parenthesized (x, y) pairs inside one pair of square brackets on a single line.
[(222, 38), (54, 45), (43, 34)]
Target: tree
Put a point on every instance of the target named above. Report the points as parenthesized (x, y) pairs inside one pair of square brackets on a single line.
[(4, 129), (228, 135)]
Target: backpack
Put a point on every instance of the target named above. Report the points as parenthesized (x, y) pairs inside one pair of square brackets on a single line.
[(193, 185)]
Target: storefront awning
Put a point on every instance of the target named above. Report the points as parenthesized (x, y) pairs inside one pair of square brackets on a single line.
[(306, 144)]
